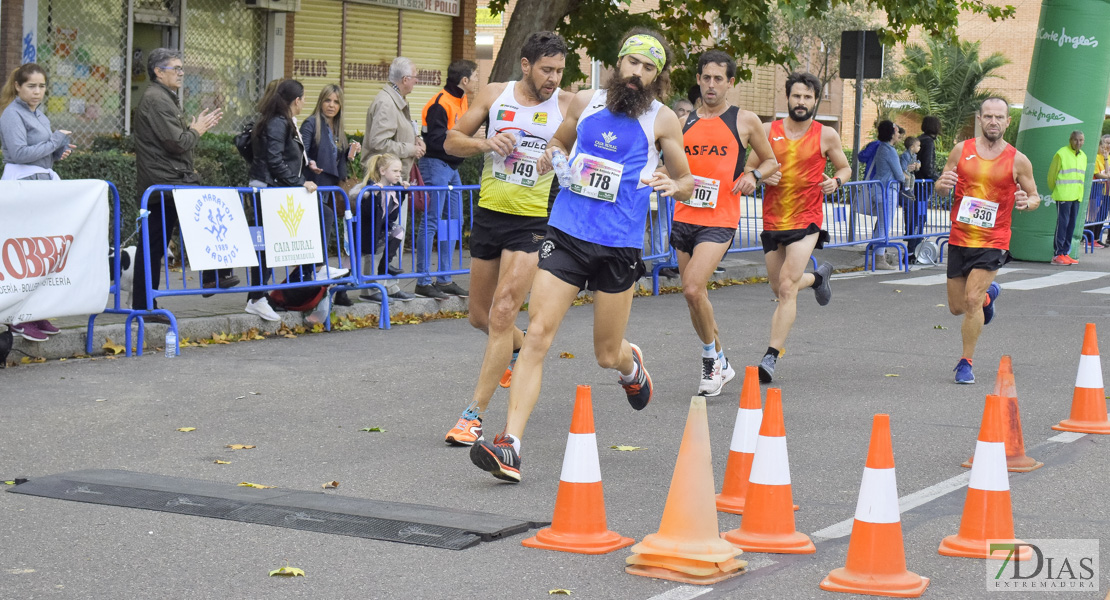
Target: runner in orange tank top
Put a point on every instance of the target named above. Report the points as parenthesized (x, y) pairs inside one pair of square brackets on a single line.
[(991, 179), (714, 138), (792, 208)]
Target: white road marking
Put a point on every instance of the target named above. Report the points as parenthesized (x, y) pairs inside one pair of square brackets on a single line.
[(1062, 278), (941, 278), (905, 503), (1067, 437), (682, 592), (1105, 290)]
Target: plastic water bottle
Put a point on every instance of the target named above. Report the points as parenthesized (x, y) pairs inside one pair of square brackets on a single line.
[(171, 343), (562, 168), (519, 135)]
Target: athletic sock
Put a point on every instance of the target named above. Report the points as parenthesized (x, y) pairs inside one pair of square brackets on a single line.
[(721, 356), (515, 441), (632, 376), (986, 300), (965, 358), (772, 352), (817, 280), (709, 350)]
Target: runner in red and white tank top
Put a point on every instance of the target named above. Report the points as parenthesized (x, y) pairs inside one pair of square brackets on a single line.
[(714, 139), (991, 179)]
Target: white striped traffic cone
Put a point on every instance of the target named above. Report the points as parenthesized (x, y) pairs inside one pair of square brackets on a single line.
[(1088, 403)]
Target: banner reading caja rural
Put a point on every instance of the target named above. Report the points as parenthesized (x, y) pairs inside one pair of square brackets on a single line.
[(291, 225), (1068, 84), (214, 228), (53, 249)]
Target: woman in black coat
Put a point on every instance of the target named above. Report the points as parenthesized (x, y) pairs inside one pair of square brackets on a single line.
[(927, 155)]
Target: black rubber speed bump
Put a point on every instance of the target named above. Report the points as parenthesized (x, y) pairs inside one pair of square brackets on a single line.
[(308, 511)]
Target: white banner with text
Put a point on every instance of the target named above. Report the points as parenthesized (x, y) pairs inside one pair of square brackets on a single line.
[(291, 226), (214, 227)]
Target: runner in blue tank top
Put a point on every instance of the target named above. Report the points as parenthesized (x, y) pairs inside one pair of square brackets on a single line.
[(596, 230)]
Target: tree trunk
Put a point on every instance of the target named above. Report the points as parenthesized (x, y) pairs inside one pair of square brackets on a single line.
[(528, 16)]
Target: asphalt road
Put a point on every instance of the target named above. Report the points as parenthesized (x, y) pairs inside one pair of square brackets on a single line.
[(876, 348)]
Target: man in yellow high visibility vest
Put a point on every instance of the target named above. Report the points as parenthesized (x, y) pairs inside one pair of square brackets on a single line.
[(1065, 181)]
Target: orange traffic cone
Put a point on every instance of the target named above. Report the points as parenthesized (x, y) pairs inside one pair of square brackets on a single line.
[(876, 555), (688, 547), (1016, 459), (988, 514), (742, 451), (579, 522), (768, 524), (1088, 404)]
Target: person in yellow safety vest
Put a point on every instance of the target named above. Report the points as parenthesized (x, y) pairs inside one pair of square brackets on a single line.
[(1065, 181)]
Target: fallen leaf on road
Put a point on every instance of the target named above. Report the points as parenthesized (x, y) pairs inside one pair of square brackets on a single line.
[(38, 359), (112, 346), (559, 592), (239, 446), (566, 355), (941, 305), (373, 429), (897, 291), (939, 327), (891, 375), (255, 485), (287, 572), (101, 399), (186, 429), (626, 448), (222, 462), (256, 393), (240, 397), (331, 485)]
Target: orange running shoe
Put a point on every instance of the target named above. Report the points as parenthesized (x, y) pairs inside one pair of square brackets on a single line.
[(507, 378), (465, 432)]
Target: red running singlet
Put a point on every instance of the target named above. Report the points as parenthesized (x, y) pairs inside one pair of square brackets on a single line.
[(796, 202)]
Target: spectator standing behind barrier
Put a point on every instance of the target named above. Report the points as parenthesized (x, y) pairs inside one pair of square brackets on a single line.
[(682, 109), (1100, 191), (30, 149), (379, 213), (913, 209), (1065, 182), (164, 144), (887, 169), (326, 145), (279, 161), (390, 128), (930, 131), (440, 169)]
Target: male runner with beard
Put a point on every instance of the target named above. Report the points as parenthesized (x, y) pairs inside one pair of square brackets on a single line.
[(596, 231), (793, 208), (992, 179), (715, 138), (511, 217)]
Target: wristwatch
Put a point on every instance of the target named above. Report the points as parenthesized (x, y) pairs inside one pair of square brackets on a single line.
[(838, 182), (758, 176)]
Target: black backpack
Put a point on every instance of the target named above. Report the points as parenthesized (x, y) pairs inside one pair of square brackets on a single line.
[(244, 144)]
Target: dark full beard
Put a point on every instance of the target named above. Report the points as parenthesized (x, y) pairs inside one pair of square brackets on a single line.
[(794, 116), (624, 100)]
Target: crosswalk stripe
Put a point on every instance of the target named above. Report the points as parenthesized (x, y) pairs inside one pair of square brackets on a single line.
[(1055, 279), (1105, 290), (941, 278)]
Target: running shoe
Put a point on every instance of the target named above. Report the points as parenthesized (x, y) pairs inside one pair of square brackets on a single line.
[(47, 327), (262, 308), (824, 291), (498, 458), (1071, 261), (452, 289), (727, 372), (465, 432), (711, 380), (29, 332), (1061, 260), (988, 311), (430, 291), (963, 371), (639, 391), (507, 378), (767, 368)]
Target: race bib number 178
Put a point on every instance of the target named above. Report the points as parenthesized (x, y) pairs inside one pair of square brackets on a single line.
[(596, 177)]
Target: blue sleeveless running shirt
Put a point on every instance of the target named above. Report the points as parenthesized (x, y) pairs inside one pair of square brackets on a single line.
[(595, 210)]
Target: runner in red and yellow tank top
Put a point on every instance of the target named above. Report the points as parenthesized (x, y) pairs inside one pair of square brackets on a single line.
[(991, 179), (714, 139), (792, 214)]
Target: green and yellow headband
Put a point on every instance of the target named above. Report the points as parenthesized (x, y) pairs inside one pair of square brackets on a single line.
[(645, 45)]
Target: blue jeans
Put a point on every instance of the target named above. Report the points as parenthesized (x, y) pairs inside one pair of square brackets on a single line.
[(1065, 226), (438, 173)]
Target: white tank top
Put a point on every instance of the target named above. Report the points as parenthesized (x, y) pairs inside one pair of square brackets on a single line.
[(511, 185)]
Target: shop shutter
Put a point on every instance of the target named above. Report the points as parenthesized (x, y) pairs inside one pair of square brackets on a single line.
[(371, 46), (426, 39), (317, 35)]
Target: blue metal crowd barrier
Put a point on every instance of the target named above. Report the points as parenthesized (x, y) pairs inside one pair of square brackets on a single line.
[(1098, 214), (115, 289)]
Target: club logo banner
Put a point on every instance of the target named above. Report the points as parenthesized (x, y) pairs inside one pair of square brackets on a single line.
[(53, 249), (214, 228)]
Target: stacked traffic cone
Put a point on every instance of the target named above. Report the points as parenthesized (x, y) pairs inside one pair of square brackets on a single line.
[(768, 524), (876, 556), (1088, 404), (1016, 460), (988, 514), (688, 547), (740, 455), (579, 523)]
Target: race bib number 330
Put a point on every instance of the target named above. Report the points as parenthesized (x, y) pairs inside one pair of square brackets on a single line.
[(978, 212), (596, 177)]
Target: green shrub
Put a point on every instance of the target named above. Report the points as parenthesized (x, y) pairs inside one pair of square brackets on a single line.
[(109, 165)]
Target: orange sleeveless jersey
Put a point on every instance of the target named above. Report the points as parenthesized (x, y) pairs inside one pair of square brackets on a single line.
[(796, 202), (990, 180), (713, 150)]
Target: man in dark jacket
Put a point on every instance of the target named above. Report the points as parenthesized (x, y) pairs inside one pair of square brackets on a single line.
[(164, 144)]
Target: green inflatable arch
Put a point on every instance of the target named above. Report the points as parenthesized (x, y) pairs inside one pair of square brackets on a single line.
[(1069, 81)]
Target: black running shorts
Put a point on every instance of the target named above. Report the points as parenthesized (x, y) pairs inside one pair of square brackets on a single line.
[(961, 260), (773, 239), (495, 231), (590, 266), (685, 236)]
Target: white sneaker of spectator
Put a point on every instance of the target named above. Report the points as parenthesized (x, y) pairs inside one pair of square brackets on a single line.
[(261, 307), (330, 272)]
